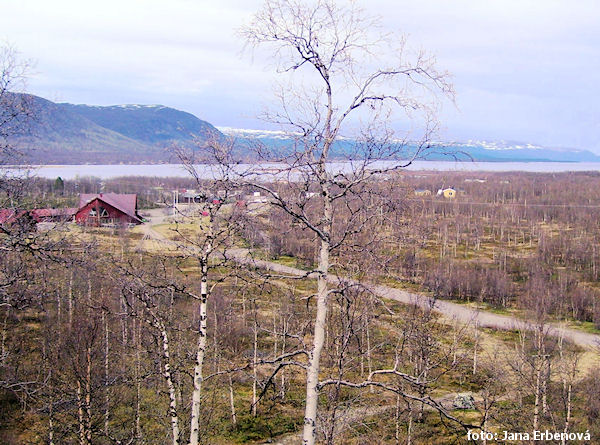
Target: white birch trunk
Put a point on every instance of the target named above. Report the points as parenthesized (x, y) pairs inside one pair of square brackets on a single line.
[(59, 315), (106, 367), (80, 417), (138, 430), (200, 353), (546, 377), (362, 356), (568, 413), (536, 406), (312, 377), (369, 364), (215, 342), (51, 427), (232, 402), (283, 345), (255, 358), (538, 384), (124, 320), (475, 347), (170, 385), (71, 300), (410, 424), (397, 419), (275, 342), (51, 414), (88, 396)]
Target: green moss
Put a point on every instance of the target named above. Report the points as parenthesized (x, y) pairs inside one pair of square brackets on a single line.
[(250, 428)]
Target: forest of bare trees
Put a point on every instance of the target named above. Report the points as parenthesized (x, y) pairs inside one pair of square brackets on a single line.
[(226, 321), (101, 330)]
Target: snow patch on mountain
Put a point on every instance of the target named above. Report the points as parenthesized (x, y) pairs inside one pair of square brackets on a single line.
[(256, 134), (248, 133), (137, 106)]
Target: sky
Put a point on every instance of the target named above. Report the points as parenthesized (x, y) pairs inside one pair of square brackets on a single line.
[(523, 70)]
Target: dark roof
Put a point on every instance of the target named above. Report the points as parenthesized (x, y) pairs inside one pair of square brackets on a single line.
[(42, 213), (126, 203), (6, 215), (10, 215)]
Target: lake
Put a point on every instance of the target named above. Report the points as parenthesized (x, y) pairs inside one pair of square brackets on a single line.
[(176, 170)]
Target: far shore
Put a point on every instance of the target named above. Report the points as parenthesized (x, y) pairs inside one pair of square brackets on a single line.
[(106, 171)]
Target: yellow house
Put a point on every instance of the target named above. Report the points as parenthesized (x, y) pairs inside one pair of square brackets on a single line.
[(447, 192)]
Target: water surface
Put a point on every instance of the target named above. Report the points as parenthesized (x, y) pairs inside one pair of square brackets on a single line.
[(177, 170)]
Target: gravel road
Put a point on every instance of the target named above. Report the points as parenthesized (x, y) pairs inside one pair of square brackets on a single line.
[(448, 309)]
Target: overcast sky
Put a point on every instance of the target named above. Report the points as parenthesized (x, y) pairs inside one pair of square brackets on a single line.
[(524, 70)]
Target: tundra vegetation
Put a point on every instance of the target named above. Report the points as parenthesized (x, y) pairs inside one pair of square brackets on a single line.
[(100, 327), (194, 331)]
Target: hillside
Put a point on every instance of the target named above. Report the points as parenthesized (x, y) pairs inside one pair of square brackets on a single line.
[(62, 133), (151, 124)]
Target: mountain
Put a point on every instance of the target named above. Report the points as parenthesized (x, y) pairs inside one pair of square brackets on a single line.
[(151, 124), (510, 151), (63, 133), (73, 134), (482, 151)]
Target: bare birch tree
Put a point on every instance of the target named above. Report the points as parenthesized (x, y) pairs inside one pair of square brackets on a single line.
[(145, 296), (348, 80), (15, 108), (209, 247)]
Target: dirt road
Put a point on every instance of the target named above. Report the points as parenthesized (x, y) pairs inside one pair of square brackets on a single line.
[(458, 312), (449, 309)]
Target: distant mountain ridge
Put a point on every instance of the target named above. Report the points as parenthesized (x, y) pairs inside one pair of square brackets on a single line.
[(63, 133), (483, 151)]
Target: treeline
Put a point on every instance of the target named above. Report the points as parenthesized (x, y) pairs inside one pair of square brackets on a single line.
[(59, 192), (505, 236)]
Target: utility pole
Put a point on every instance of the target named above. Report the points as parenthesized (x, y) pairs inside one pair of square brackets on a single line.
[(175, 201)]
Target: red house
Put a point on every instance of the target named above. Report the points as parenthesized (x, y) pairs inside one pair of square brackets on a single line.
[(9, 216), (107, 209), (16, 217), (53, 215)]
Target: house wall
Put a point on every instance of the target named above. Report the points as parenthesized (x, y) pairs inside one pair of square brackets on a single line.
[(115, 216), (449, 193)]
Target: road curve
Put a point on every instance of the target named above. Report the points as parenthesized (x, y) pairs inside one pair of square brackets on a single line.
[(448, 309)]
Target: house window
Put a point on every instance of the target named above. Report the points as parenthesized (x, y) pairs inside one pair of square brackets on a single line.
[(101, 211)]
